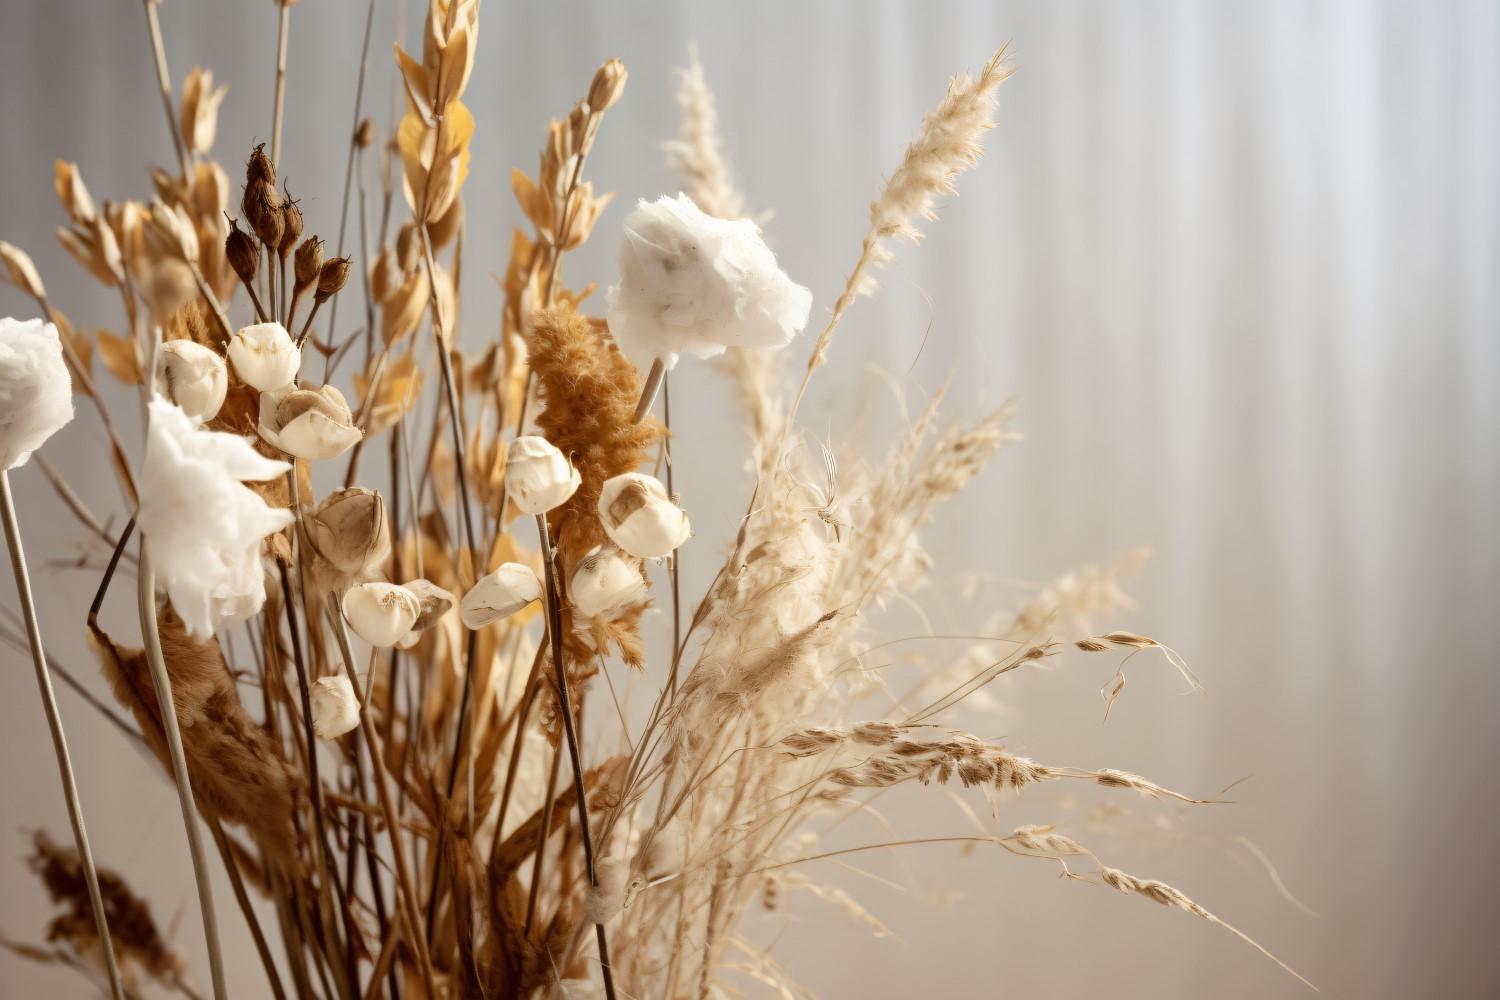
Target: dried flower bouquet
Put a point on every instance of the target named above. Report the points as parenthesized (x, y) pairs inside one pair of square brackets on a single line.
[(377, 701)]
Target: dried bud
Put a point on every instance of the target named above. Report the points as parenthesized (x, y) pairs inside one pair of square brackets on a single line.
[(260, 167), (240, 249), (434, 600), (310, 424), (380, 613), (500, 595), (264, 356), (262, 208), (537, 476), (605, 584), (332, 277), (365, 135), (307, 264), (349, 530), (640, 518), (21, 271), (608, 85), (335, 707), (192, 376), (291, 226)]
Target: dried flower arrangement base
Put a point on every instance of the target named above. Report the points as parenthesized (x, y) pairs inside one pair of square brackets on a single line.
[(397, 711)]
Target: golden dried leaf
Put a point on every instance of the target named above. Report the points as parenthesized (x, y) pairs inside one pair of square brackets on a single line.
[(399, 388), (20, 271), (121, 355)]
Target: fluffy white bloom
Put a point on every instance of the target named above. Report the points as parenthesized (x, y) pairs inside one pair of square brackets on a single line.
[(500, 595), (36, 394), (203, 529), (538, 477), (605, 583), (694, 284), (192, 376), (640, 518), (265, 357), (335, 707), (310, 424), (381, 613)]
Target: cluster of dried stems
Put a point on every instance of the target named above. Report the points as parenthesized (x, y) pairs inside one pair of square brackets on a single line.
[(440, 850)]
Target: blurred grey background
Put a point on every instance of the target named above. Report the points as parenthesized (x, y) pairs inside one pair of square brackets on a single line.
[(1239, 264)]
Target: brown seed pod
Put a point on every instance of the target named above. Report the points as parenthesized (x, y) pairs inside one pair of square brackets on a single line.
[(262, 208), (308, 264), (332, 277), (240, 249), (259, 167), (291, 228)]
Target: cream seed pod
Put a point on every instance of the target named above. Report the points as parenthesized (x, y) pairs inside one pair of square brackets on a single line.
[(433, 601), (640, 518), (500, 595), (310, 424), (194, 377), (538, 477), (264, 356), (335, 707), (606, 583), (380, 613)]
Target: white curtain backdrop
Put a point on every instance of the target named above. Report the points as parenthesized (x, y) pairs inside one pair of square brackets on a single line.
[(1237, 263)]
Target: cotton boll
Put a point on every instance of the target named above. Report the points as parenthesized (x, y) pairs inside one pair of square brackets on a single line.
[(36, 393), (194, 377), (640, 518), (203, 529), (694, 284), (538, 477), (604, 584), (604, 899), (380, 613), (264, 356), (500, 595), (310, 424), (335, 707)]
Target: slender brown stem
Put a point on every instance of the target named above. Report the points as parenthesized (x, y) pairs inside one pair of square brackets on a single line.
[(554, 632), (226, 852), (281, 33), (539, 857), (359, 98), (164, 81), (403, 874), (55, 725)]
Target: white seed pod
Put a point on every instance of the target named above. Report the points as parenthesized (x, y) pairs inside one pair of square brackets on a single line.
[(606, 583), (335, 707), (264, 356), (434, 601), (538, 477), (500, 595), (36, 392), (310, 424), (605, 899), (640, 518), (380, 613), (194, 377)]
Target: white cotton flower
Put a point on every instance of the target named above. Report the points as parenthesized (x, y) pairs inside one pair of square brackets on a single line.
[(538, 477), (500, 595), (203, 529), (265, 357), (310, 424), (694, 284), (640, 518), (335, 707), (380, 613), (605, 583), (36, 393), (192, 376)]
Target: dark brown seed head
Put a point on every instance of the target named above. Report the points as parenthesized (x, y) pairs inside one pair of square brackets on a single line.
[(260, 167), (332, 277), (242, 254), (366, 133), (262, 208), (308, 263), (291, 226)]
